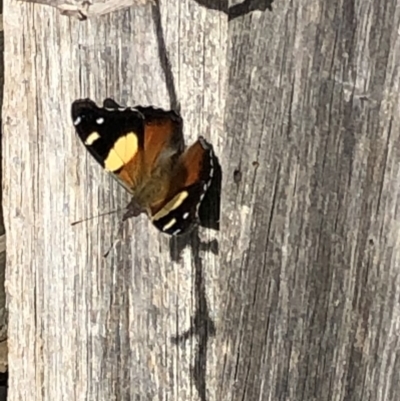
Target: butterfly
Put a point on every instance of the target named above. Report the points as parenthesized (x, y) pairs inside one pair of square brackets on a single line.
[(143, 148)]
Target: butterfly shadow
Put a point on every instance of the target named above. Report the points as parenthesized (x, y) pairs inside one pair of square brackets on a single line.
[(164, 57), (233, 12), (237, 10), (201, 326)]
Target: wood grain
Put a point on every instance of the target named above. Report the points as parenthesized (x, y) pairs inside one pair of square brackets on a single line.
[(84, 328), (83, 9), (3, 308), (297, 298), (311, 235)]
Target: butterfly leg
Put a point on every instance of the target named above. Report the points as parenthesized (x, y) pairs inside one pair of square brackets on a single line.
[(132, 210)]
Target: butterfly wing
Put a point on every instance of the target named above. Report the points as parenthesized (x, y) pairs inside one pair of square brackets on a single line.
[(163, 131), (128, 142), (114, 139), (192, 178), (163, 136)]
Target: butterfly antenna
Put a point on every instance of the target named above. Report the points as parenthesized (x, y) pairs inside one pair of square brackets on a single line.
[(95, 217), (120, 227)]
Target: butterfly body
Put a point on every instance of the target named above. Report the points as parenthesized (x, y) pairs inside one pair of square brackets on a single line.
[(143, 148)]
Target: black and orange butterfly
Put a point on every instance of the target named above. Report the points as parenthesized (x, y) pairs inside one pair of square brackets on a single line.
[(143, 148)]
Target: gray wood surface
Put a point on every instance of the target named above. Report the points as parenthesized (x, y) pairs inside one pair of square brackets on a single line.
[(83, 9), (3, 309), (300, 299)]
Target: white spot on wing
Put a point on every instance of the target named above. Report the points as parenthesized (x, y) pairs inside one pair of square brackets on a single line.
[(100, 120), (77, 121), (185, 216)]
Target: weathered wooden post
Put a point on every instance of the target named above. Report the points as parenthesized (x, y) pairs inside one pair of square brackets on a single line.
[(299, 300)]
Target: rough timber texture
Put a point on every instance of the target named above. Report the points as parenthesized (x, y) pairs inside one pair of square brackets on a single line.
[(302, 301), (81, 327), (3, 311), (310, 251), (83, 9)]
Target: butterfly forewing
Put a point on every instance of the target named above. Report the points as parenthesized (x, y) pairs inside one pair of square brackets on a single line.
[(100, 129)]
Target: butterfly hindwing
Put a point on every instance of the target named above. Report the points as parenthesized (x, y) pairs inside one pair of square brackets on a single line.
[(179, 211)]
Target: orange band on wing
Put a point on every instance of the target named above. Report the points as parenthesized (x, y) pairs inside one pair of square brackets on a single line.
[(131, 172), (160, 136), (192, 161)]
